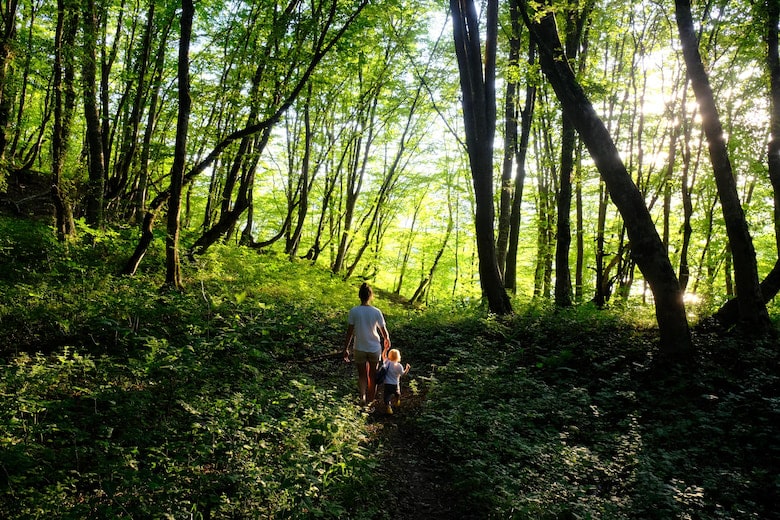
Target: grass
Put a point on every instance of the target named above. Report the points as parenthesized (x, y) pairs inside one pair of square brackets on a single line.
[(229, 400)]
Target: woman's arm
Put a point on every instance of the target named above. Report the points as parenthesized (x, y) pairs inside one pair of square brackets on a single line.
[(347, 341), (385, 337)]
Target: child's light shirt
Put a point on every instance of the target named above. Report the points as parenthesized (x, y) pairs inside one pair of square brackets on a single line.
[(394, 372)]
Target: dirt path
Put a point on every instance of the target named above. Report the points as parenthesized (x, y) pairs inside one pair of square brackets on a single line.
[(419, 488)]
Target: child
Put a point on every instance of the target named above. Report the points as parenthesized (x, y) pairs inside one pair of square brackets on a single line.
[(392, 362)]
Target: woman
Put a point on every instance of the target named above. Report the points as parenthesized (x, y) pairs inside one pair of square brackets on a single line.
[(367, 327)]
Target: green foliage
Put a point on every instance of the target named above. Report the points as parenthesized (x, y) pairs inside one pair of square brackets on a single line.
[(119, 400), (561, 414), (230, 400)]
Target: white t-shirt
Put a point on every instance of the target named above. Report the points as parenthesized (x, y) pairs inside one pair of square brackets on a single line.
[(366, 320), (394, 372)]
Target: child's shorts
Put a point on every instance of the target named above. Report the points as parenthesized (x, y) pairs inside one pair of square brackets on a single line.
[(391, 391)]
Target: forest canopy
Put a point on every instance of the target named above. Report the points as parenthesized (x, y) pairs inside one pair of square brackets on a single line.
[(333, 132)]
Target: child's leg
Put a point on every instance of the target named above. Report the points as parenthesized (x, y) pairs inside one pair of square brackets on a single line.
[(394, 395)]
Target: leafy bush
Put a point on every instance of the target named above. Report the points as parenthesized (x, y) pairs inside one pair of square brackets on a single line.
[(119, 400), (561, 415), (230, 400)]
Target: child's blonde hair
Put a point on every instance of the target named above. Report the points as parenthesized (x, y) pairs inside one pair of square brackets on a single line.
[(394, 355)]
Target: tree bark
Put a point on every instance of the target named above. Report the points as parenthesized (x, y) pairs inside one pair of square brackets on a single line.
[(510, 145), (526, 118), (729, 313), (752, 309), (575, 21), (7, 42), (96, 183), (479, 112), (64, 106), (646, 246), (173, 272), (773, 149)]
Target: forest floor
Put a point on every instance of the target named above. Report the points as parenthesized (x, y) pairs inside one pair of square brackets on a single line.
[(416, 485)]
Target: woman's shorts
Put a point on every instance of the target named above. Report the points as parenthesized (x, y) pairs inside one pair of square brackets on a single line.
[(362, 356)]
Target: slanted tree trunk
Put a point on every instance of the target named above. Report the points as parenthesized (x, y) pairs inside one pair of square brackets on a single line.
[(425, 284), (753, 314), (173, 273), (646, 246), (479, 112), (404, 261), (729, 313)]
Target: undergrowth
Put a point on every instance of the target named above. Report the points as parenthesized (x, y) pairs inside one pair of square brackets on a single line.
[(561, 414), (230, 399)]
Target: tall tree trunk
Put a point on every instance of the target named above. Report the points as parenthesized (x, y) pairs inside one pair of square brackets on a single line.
[(356, 171), (563, 291), (294, 239), (96, 183), (773, 149), (685, 190), (753, 314), (579, 275), (510, 271), (510, 144), (155, 85), (64, 105), (7, 42), (173, 273), (575, 21), (128, 147), (602, 291), (479, 112), (646, 245)]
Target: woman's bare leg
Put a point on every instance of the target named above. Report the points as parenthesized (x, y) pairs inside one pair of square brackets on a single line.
[(371, 369), (362, 369)]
